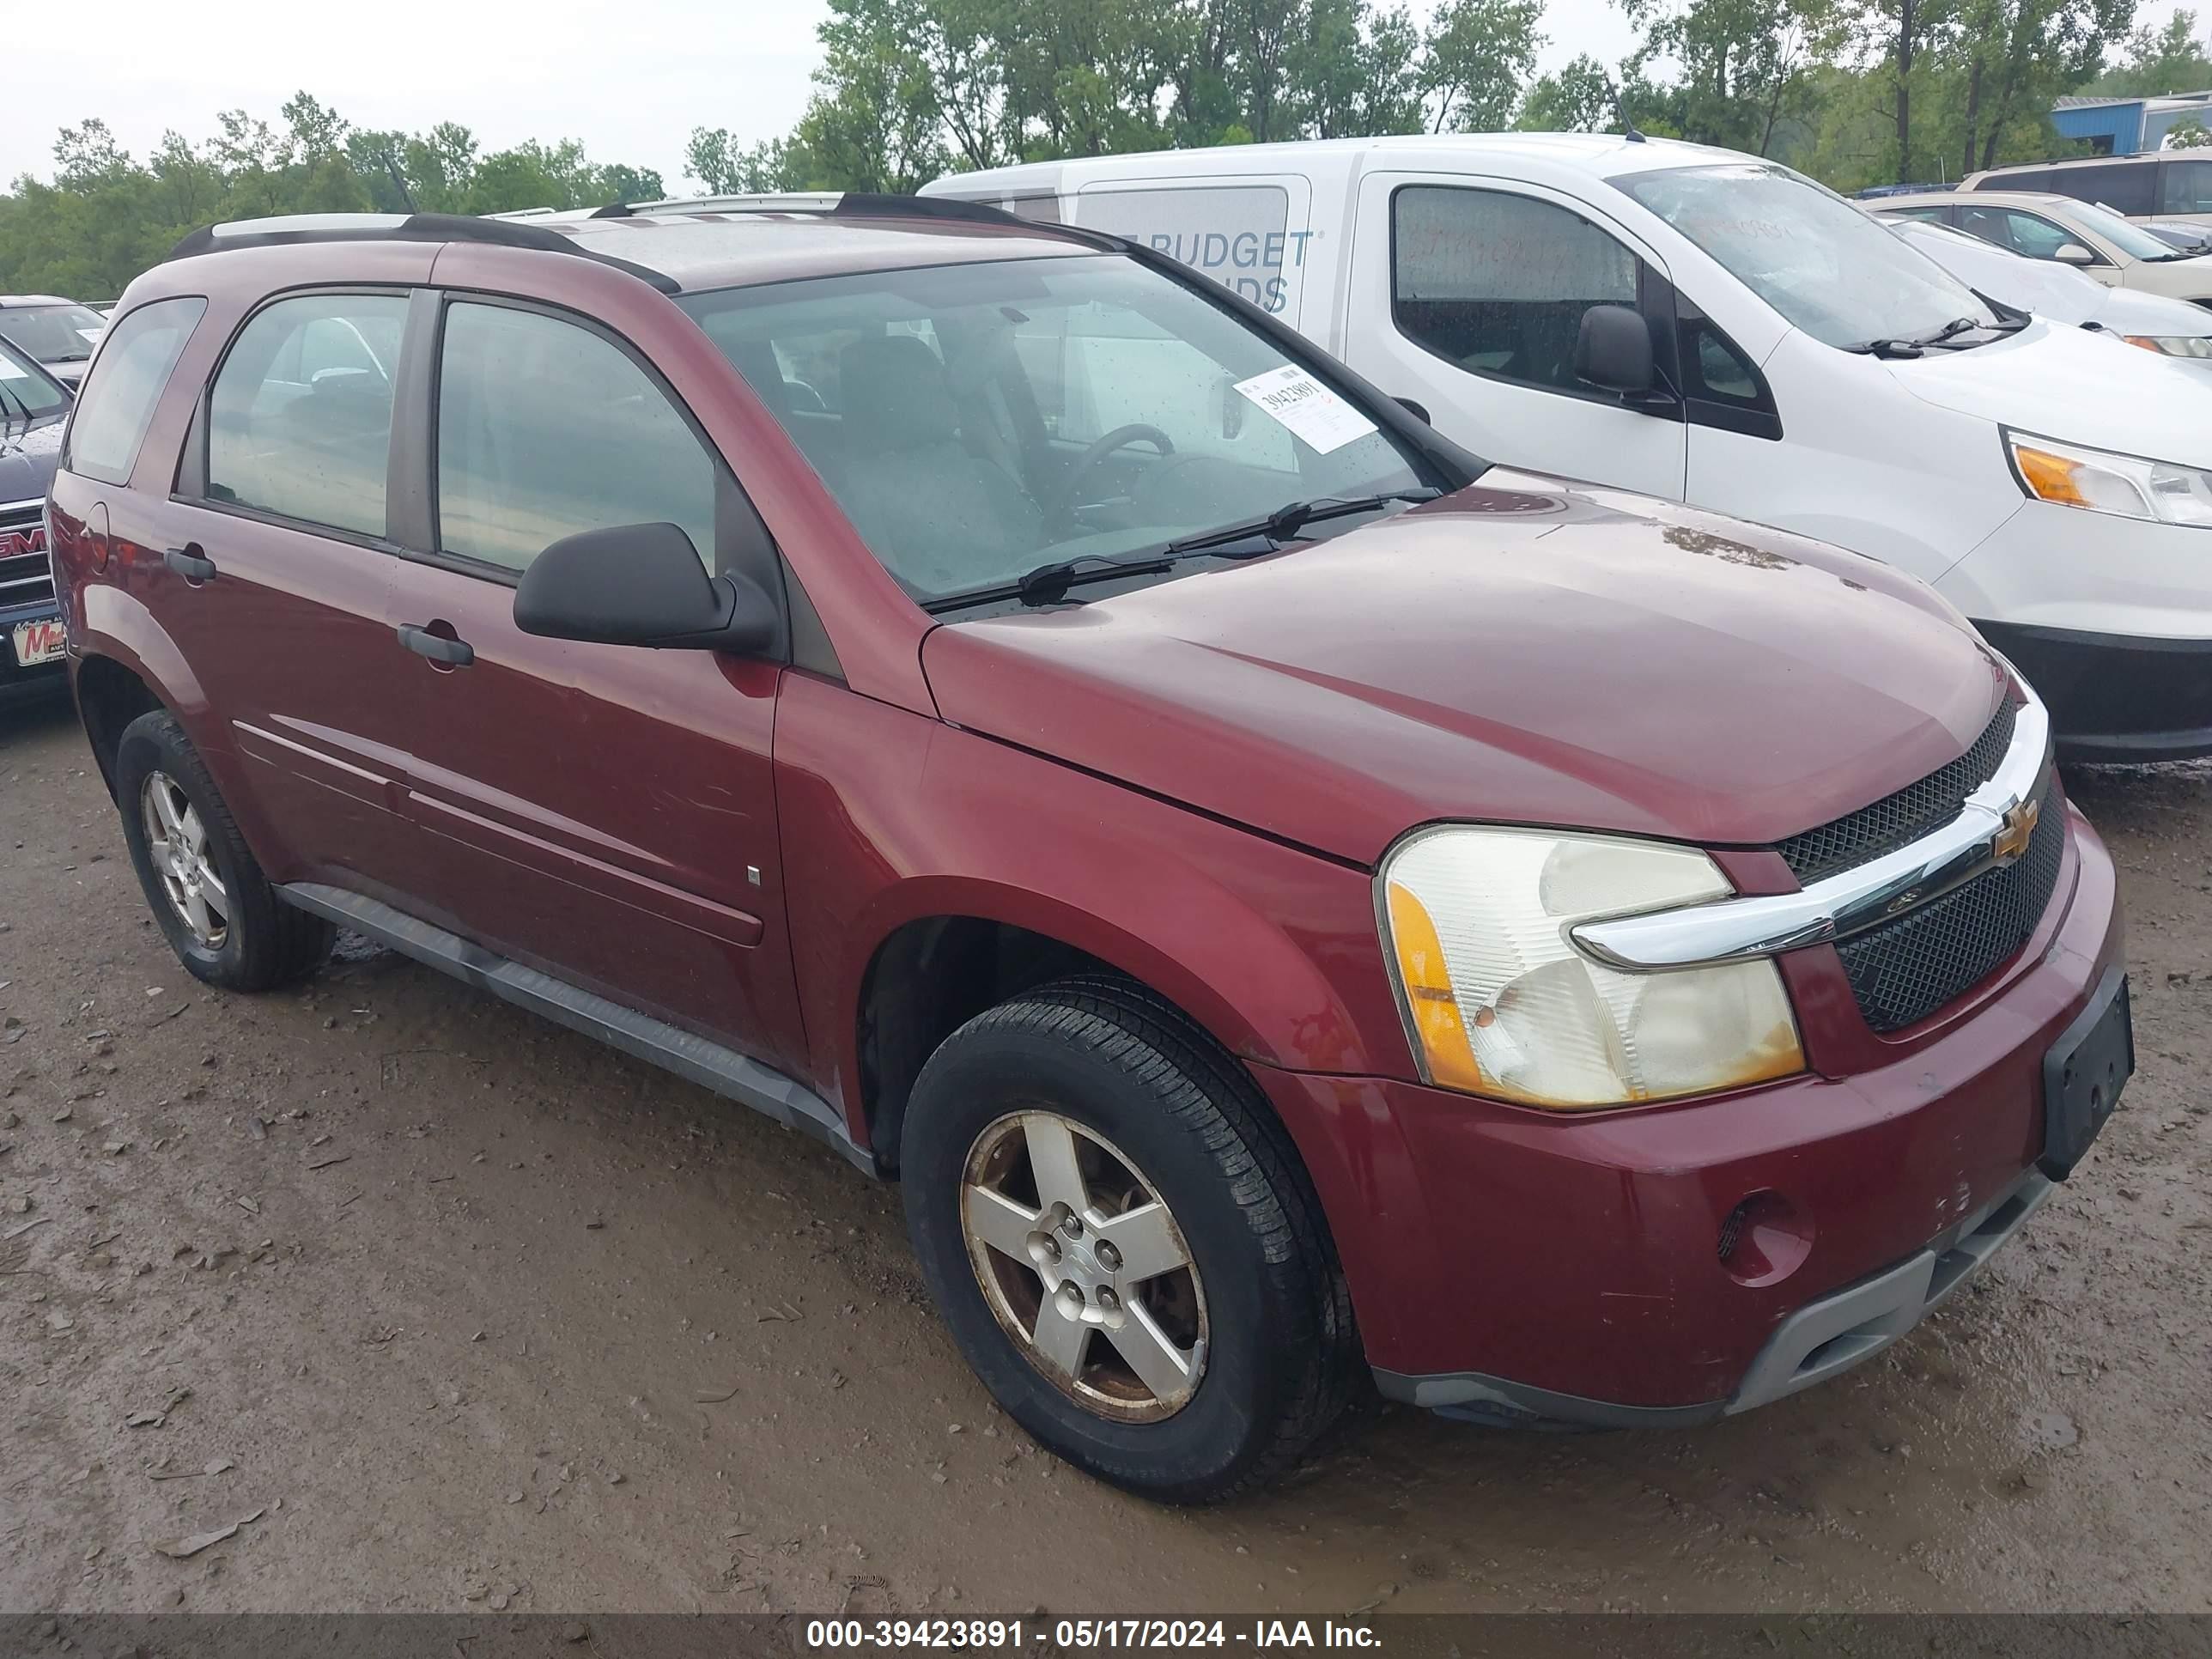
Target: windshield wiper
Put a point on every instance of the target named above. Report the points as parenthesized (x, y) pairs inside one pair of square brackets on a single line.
[(1917, 345), (1049, 581), (1287, 520)]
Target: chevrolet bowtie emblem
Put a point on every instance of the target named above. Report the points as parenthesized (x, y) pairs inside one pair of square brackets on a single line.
[(2012, 837)]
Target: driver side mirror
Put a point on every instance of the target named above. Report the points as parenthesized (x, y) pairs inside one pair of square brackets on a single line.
[(1613, 352), (2073, 253), (641, 584)]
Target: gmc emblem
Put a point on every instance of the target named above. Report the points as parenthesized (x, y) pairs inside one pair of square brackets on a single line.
[(14, 544)]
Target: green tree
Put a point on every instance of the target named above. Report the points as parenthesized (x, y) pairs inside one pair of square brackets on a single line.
[(1474, 59), (1577, 97), (2171, 58), (1743, 67), (1355, 71), (106, 216)]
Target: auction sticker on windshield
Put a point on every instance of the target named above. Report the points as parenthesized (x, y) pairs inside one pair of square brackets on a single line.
[(39, 642), (1307, 407)]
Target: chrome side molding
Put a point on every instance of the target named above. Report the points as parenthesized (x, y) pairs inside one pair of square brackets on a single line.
[(1992, 828)]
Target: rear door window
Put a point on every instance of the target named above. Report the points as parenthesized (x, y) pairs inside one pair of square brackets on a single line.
[(2128, 188), (299, 416), (118, 401), (2187, 187), (1497, 283), (546, 428)]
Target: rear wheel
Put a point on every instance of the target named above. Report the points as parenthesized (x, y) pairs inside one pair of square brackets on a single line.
[(209, 896), (1124, 1245)]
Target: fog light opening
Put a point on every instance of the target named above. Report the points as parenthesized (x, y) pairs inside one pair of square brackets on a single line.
[(1765, 1239)]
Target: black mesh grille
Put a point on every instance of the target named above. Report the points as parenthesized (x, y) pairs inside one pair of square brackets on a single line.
[(1906, 816), (1904, 970)]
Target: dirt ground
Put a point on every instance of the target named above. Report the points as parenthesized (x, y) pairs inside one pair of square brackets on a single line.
[(472, 1313)]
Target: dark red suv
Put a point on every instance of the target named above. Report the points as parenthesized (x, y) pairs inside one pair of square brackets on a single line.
[(1291, 906)]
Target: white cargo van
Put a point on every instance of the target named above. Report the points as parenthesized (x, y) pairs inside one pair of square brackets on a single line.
[(1694, 324)]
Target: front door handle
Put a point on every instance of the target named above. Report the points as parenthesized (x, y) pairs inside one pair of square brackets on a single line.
[(453, 654), (188, 563)]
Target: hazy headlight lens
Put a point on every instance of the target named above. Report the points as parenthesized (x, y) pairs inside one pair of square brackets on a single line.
[(1502, 1004), (2173, 345), (2102, 481)]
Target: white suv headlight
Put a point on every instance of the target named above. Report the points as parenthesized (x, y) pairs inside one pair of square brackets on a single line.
[(2127, 485), (1500, 1002), (2173, 345)]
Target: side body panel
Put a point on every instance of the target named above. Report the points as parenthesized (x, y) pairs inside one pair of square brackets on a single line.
[(888, 818)]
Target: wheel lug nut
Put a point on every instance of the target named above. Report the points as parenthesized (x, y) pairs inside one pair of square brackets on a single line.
[(1110, 1258), (1072, 1226), (1108, 1299)]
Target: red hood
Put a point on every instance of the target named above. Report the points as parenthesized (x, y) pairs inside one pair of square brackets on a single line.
[(1524, 654)]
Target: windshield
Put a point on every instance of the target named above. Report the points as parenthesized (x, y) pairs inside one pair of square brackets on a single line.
[(978, 421), (53, 334), (2131, 240), (1823, 264), (26, 389)]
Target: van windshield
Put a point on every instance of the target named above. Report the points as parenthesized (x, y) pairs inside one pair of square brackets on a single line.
[(1827, 267), (979, 423)]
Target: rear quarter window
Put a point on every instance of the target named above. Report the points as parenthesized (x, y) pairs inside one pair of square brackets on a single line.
[(2128, 188), (117, 403)]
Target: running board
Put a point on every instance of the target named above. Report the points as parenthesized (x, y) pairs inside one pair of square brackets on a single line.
[(727, 1072)]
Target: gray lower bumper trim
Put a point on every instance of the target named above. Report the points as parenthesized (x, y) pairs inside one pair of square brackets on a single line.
[(1500, 1402), (727, 1072), (1845, 1327), (1822, 1338)]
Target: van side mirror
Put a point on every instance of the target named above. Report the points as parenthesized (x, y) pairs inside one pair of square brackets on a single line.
[(1613, 351), (640, 584), (2073, 253)]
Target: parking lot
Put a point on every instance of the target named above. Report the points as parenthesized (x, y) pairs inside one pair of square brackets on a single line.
[(469, 1312)]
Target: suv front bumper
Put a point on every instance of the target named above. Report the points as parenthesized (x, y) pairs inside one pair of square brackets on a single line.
[(2116, 697), (1513, 1264)]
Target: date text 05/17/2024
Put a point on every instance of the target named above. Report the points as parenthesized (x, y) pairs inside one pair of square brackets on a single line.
[(1013, 1635)]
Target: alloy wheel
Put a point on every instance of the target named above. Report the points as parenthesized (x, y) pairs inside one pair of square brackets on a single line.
[(1084, 1266), (177, 845)]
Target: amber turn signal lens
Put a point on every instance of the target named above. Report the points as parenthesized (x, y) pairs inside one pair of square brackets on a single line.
[(2050, 476), (1429, 996)]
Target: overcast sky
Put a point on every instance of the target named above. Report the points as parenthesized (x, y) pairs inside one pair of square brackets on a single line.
[(631, 81)]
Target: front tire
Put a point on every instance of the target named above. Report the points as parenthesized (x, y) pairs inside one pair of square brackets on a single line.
[(208, 895), (1124, 1245)]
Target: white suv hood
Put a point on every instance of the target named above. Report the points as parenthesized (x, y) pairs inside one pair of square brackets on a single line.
[(2066, 383)]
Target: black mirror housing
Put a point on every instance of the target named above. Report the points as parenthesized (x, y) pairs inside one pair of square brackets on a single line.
[(1613, 351), (641, 584)]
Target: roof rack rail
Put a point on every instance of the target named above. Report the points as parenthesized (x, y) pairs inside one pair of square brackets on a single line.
[(844, 204), (295, 228), (2053, 161)]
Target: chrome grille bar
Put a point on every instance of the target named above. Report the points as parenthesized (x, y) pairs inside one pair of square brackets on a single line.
[(1738, 929)]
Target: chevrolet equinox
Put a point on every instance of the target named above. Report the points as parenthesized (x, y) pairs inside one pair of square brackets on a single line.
[(1297, 909)]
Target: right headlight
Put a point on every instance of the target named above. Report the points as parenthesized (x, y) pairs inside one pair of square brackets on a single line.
[(2102, 481), (1500, 1002), (2173, 345)]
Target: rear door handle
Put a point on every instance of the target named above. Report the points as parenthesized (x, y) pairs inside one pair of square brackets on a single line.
[(189, 564), (454, 654)]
